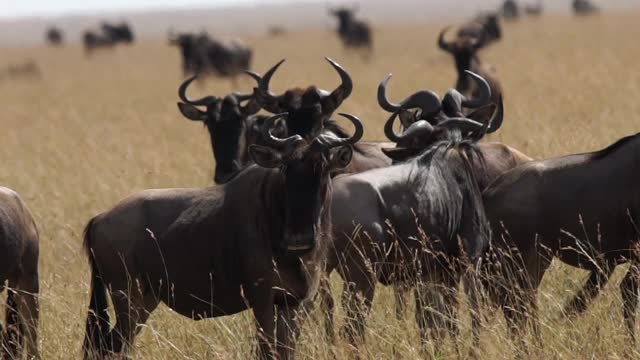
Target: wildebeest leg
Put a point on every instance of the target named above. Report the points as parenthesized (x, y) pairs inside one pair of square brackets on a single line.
[(328, 306), (400, 293), (590, 290), (436, 312), (288, 322), (260, 298), (357, 296), (629, 290), (28, 311), (470, 281), (12, 335), (520, 308), (132, 308)]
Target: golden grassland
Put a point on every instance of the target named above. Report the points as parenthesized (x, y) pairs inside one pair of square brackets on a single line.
[(91, 131)]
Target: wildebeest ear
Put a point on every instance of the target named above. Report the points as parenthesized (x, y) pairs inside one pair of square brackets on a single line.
[(265, 156), (341, 157), (191, 112), (482, 114), (399, 153)]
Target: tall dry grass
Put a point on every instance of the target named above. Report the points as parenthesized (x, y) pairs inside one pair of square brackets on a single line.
[(94, 130)]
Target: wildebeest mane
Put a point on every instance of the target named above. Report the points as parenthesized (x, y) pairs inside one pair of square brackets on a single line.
[(434, 158)]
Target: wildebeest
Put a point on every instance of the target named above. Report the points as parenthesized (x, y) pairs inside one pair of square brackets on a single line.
[(510, 10), (484, 27), (464, 50), (232, 127), (257, 242), (310, 111), (19, 247), (204, 54), (28, 69), (584, 7), (353, 33), (108, 36), (580, 208), (412, 223), (534, 9), (54, 36), (494, 159)]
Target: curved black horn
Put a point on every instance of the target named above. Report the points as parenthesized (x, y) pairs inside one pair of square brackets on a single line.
[(425, 100), (182, 92), (388, 129), (247, 96), (342, 91), (382, 96), (485, 92), (357, 134), (275, 141), (442, 43), (496, 119), (266, 98)]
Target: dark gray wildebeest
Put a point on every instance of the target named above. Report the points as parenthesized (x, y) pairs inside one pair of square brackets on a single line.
[(257, 242), (584, 7), (583, 209), (54, 36), (204, 54), (494, 159), (108, 36), (485, 27), (28, 69), (232, 127), (510, 10), (419, 223), (534, 9), (310, 111), (353, 33), (465, 54), (19, 246), (192, 60)]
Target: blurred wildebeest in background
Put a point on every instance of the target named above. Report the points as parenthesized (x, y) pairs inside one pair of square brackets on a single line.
[(584, 7), (276, 30), (119, 33), (353, 33), (485, 27), (28, 69), (464, 50), (19, 248), (534, 9), (54, 36), (203, 54), (510, 10), (193, 61), (108, 36)]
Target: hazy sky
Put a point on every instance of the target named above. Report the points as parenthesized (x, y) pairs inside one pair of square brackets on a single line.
[(20, 8)]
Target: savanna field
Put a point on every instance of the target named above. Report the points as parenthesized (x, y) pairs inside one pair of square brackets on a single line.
[(92, 131)]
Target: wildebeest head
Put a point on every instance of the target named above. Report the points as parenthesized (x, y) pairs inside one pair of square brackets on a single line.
[(54, 36), (433, 120), (463, 49), (344, 15), (224, 119), (305, 166), (308, 108)]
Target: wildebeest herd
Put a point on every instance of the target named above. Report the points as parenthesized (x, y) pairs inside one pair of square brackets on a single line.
[(297, 196)]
